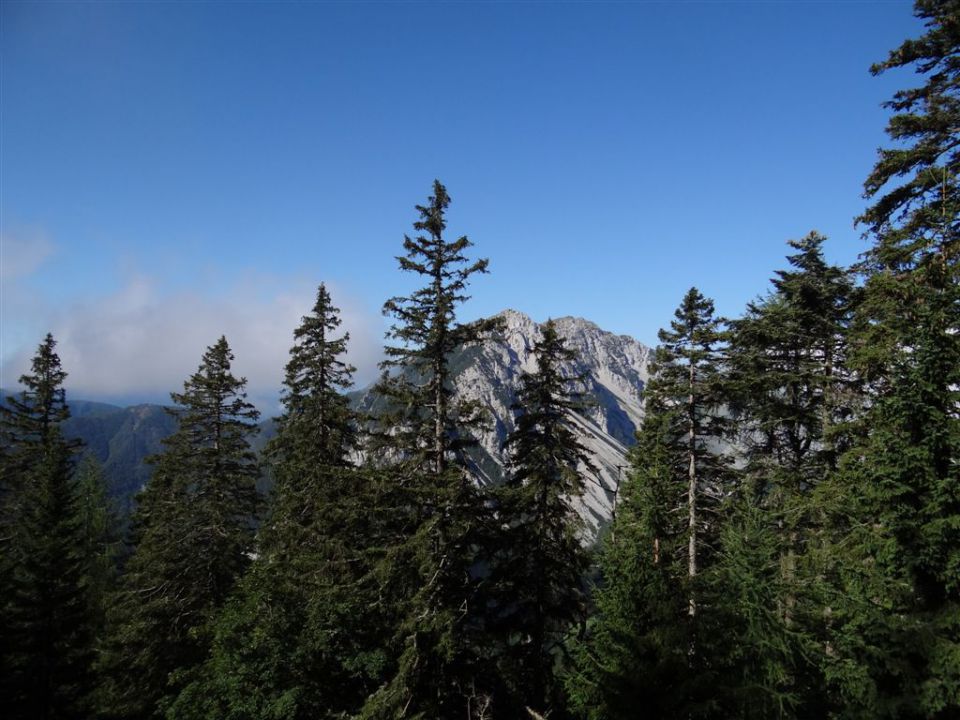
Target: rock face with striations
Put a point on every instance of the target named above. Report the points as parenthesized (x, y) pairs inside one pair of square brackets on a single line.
[(615, 372)]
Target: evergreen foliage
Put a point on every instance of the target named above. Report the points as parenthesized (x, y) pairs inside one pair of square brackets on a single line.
[(897, 610), (420, 419), (651, 641), (787, 386), (789, 394), (438, 517), (761, 657), (28, 422), (295, 640), (192, 534), (47, 626), (538, 573), (101, 542), (317, 427), (686, 384), (635, 654)]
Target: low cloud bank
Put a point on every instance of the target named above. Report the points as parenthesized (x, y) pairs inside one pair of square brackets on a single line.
[(141, 343)]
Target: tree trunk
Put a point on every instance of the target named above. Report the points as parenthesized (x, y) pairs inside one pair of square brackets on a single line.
[(692, 495)]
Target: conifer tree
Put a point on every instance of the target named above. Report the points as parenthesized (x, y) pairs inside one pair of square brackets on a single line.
[(787, 383), (539, 571), (295, 640), (438, 510), (760, 660), (46, 627), (789, 393), (687, 379), (650, 643), (896, 611), (635, 652), (100, 540), (28, 420), (317, 428), (192, 535), (422, 420)]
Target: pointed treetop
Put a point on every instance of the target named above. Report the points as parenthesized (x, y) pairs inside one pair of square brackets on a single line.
[(693, 319), (43, 399)]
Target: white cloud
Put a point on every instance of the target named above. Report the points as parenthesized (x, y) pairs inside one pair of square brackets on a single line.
[(22, 252), (141, 343)]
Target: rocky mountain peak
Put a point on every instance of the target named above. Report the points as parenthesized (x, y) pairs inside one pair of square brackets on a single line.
[(615, 368)]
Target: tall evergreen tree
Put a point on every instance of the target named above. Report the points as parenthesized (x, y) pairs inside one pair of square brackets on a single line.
[(787, 384), (540, 569), (896, 616), (296, 638), (424, 423), (634, 657), (655, 617), (192, 533), (317, 428), (438, 511), (760, 658), (101, 540), (687, 383), (789, 393), (28, 421), (46, 628)]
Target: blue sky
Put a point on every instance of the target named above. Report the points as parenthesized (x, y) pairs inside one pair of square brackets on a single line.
[(173, 171)]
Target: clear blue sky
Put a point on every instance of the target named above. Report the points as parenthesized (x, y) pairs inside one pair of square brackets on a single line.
[(171, 171)]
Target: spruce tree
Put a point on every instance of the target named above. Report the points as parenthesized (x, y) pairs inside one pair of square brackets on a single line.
[(317, 427), (760, 660), (28, 421), (47, 627), (101, 543), (424, 424), (539, 571), (787, 384), (296, 638), (192, 534), (789, 393), (651, 642), (687, 379), (437, 515), (896, 610)]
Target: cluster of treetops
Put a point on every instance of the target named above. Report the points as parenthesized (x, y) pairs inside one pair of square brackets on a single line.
[(786, 545)]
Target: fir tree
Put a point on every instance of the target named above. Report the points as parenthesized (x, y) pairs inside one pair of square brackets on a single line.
[(47, 628), (789, 393), (687, 383), (760, 659), (296, 640), (636, 651), (539, 571), (101, 542), (317, 427), (787, 383), (651, 642), (896, 611), (423, 422), (28, 420), (192, 533), (438, 511)]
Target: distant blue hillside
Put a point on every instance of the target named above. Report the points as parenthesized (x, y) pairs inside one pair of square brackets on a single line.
[(120, 438)]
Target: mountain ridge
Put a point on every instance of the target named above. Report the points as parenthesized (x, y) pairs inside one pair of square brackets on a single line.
[(614, 367)]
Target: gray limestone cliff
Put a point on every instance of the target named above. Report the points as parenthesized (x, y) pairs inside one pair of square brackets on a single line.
[(615, 372)]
